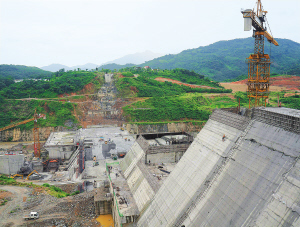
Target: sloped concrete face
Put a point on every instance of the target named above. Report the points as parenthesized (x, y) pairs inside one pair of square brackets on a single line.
[(251, 178), (140, 183)]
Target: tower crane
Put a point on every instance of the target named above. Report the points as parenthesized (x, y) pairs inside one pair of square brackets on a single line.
[(37, 148), (259, 62)]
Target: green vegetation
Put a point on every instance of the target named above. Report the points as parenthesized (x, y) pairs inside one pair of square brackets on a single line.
[(167, 101), (23, 72), (60, 83), (113, 66), (193, 107), (183, 75), (15, 209), (243, 77), (4, 180), (75, 193), (145, 86), (52, 190), (57, 113), (3, 202), (226, 59), (55, 191), (171, 108), (291, 101), (194, 122)]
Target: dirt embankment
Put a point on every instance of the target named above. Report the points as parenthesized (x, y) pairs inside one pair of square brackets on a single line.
[(279, 83), (16, 134), (161, 79), (87, 89)]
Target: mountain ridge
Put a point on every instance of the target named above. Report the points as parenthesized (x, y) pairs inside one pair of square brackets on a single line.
[(22, 71), (226, 59), (130, 59), (136, 59)]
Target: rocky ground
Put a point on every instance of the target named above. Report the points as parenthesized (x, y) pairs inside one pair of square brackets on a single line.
[(77, 210)]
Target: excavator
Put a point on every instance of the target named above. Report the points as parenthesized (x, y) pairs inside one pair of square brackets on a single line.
[(259, 62), (27, 178), (37, 149)]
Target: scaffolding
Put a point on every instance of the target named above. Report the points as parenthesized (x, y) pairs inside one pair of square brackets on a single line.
[(258, 73)]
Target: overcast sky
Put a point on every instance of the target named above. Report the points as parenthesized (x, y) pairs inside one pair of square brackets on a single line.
[(74, 32)]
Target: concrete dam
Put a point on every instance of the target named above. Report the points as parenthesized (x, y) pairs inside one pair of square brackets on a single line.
[(251, 177)]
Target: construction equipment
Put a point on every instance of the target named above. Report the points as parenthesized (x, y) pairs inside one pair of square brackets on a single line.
[(37, 150), (16, 175), (259, 62), (34, 171), (51, 165)]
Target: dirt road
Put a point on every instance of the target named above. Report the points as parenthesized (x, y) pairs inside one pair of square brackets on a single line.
[(11, 213), (78, 209)]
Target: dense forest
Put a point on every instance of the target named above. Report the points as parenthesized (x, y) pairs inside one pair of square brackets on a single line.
[(226, 59), (23, 72), (59, 83)]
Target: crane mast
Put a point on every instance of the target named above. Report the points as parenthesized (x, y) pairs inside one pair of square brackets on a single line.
[(36, 139), (258, 63)]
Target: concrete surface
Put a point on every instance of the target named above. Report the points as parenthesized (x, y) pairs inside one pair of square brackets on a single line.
[(251, 178), (11, 164)]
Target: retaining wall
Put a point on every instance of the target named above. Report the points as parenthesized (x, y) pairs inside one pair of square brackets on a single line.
[(11, 164), (170, 127), (16, 135)]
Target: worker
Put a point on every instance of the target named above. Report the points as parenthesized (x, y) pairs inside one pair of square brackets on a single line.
[(223, 138), (149, 161)]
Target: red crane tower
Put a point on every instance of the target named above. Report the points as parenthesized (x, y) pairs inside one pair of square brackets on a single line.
[(37, 148)]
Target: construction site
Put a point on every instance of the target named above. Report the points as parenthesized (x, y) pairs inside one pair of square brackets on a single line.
[(241, 169)]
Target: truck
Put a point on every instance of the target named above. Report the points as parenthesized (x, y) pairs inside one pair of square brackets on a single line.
[(32, 215)]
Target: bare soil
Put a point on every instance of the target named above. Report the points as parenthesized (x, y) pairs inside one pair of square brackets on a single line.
[(288, 83), (161, 79), (243, 87), (75, 210)]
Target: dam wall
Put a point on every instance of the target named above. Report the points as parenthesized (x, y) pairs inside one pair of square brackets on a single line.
[(140, 181), (249, 178)]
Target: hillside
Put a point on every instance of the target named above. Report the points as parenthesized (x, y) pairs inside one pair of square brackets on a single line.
[(22, 72), (57, 67), (226, 59), (113, 66), (15, 104), (137, 58)]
